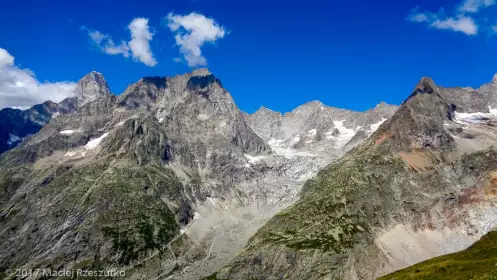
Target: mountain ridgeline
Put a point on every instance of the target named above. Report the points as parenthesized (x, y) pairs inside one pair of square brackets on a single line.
[(422, 185), (18, 124), (111, 184), (170, 180)]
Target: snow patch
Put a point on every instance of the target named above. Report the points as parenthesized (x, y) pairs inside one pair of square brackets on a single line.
[(55, 115), (375, 126), (295, 140), (67, 132), (92, 144), (475, 118), (344, 136), (290, 153), (312, 132), (253, 159), (275, 142), (70, 153)]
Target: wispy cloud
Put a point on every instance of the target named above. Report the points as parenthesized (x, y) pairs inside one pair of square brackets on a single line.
[(19, 88), (474, 6), (105, 43), (138, 47), (459, 23), (192, 31), (464, 17), (462, 24)]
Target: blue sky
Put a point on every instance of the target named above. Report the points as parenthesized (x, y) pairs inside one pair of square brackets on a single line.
[(279, 54)]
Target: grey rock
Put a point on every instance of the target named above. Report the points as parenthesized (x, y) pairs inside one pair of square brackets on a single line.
[(471, 100), (15, 124), (133, 166), (412, 191)]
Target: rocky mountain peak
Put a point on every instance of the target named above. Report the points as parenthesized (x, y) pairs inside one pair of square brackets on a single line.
[(263, 111), (92, 86), (426, 85), (315, 104), (309, 108), (418, 123), (383, 105)]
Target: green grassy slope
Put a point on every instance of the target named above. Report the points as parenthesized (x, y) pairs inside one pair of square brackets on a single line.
[(478, 262)]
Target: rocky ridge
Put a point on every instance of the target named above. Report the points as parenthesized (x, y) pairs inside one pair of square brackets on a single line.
[(124, 181), (15, 124), (169, 180), (317, 127), (420, 186)]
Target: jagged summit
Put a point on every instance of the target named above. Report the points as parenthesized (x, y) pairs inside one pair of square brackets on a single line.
[(418, 123), (425, 86), (311, 105), (265, 110), (384, 105), (92, 86)]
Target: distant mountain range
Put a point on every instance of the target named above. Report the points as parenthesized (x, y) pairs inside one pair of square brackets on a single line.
[(15, 124), (170, 180)]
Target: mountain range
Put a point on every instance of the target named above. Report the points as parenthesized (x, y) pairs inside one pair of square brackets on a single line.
[(170, 180)]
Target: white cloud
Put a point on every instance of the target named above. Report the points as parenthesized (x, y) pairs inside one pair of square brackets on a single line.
[(19, 88), (138, 47), (105, 43), (473, 6), (191, 32), (111, 48), (140, 38), (460, 23), (5, 58), (419, 17)]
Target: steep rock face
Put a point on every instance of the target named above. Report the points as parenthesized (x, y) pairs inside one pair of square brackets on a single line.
[(112, 184), (91, 87), (470, 100), (419, 122), (208, 130), (15, 124), (417, 188)]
